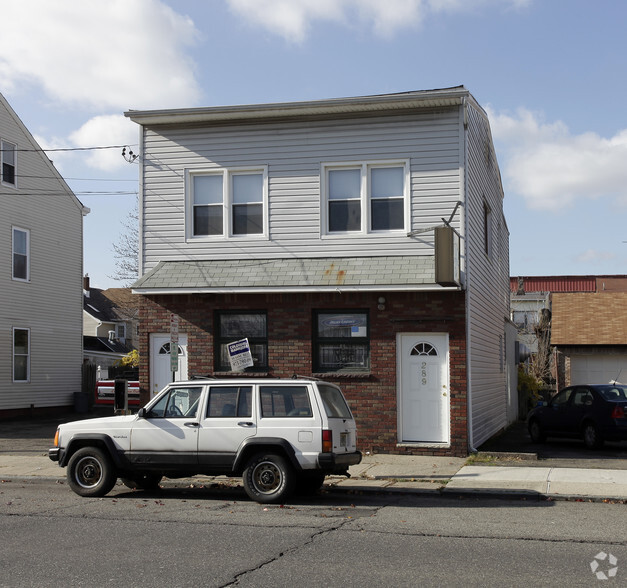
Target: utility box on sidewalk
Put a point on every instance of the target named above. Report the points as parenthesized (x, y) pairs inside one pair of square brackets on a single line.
[(120, 397)]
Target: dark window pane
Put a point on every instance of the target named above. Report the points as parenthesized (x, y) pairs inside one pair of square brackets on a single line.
[(387, 214), (20, 267), (247, 219), (342, 325), (344, 215), (207, 220), (282, 401), (242, 325)]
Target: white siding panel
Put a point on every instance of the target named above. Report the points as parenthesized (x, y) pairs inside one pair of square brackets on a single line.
[(50, 305), (488, 285), (294, 154)]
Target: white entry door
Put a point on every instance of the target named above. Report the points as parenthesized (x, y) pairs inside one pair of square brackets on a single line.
[(160, 367), (424, 407)]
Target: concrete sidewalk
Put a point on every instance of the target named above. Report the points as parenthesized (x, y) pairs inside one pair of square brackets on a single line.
[(410, 474)]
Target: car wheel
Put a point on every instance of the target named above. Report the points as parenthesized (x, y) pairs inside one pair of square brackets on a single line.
[(90, 472), (536, 431), (268, 478), (591, 437), (309, 483), (143, 482)]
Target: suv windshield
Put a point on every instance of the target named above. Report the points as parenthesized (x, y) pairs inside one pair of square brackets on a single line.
[(334, 403)]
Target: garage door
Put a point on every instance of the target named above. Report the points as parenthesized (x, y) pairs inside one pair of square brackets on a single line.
[(598, 369)]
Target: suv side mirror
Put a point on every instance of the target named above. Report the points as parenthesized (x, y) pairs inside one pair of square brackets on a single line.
[(141, 413)]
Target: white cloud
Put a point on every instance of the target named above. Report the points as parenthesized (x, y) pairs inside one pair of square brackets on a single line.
[(116, 54), (105, 131), (593, 256), (552, 168), (292, 19)]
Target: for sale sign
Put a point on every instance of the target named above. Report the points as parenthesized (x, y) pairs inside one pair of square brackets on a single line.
[(239, 355)]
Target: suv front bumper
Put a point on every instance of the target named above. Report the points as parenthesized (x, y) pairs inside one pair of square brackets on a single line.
[(54, 453), (338, 462)]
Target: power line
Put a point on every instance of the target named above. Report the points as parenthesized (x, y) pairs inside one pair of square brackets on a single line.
[(68, 149)]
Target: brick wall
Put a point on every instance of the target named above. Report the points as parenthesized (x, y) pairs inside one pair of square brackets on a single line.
[(373, 396)]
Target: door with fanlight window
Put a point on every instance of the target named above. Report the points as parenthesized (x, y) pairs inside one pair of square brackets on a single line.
[(423, 394), (160, 365)]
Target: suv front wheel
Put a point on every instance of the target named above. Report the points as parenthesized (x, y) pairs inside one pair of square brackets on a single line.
[(90, 472), (269, 478)]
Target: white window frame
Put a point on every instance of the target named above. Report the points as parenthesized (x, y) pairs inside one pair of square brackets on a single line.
[(120, 330), (3, 149), (365, 168), (14, 355), (227, 202), (13, 253)]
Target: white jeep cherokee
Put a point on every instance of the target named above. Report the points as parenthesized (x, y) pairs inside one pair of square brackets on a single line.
[(279, 435)]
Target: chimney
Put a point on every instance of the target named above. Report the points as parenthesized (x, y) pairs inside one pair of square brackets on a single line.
[(86, 283)]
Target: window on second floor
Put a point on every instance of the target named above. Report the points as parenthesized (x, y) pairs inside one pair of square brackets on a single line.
[(8, 159), (365, 197), (21, 254), (227, 203), (121, 331)]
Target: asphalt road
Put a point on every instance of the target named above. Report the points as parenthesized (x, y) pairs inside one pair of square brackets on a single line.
[(216, 537)]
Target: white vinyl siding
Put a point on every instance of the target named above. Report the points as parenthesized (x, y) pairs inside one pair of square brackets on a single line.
[(293, 155), (487, 249), (50, 305)]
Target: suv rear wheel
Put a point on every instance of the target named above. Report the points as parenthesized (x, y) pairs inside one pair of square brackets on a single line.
[(90, 472), (268, 478)]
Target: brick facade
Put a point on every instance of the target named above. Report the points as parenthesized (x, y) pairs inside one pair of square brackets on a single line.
[(373, 396)]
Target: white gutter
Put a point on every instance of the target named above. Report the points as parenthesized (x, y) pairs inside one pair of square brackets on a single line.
[(294, 289)]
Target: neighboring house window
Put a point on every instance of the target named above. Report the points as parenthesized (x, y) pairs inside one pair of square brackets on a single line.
[(228, 203), (21, 254), (121, 331), (235, 325), (8, 158), (21, 355), (366, 197), (341, 341)]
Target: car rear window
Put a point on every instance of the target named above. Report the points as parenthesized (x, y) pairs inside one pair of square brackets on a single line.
[(285, 401), (613, 393), (334, 403)]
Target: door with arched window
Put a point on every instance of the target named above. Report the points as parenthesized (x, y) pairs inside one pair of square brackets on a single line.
[(160, 366), (423, 388)]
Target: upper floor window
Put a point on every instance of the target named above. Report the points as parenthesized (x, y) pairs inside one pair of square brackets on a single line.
[(487, 229), (21, 355), (8, 159), (121, 331), (366, 197), (227, 203), (21, 254)]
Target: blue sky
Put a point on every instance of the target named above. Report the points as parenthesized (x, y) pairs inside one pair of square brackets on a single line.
[(552, 74)]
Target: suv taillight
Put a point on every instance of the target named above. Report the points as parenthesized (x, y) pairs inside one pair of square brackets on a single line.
[(618, 412), (327, 441)]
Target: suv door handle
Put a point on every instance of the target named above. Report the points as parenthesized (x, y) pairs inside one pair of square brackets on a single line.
[(192, 424), (245, 424)]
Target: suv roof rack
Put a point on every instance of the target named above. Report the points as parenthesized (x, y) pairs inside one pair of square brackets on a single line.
[(299, 377), (203, 377)]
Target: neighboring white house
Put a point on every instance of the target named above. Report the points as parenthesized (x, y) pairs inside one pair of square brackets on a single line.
[(361, 240), (41, 268)]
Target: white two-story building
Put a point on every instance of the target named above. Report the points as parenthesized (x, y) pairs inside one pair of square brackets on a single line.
[(360, 240), (41, 269)]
